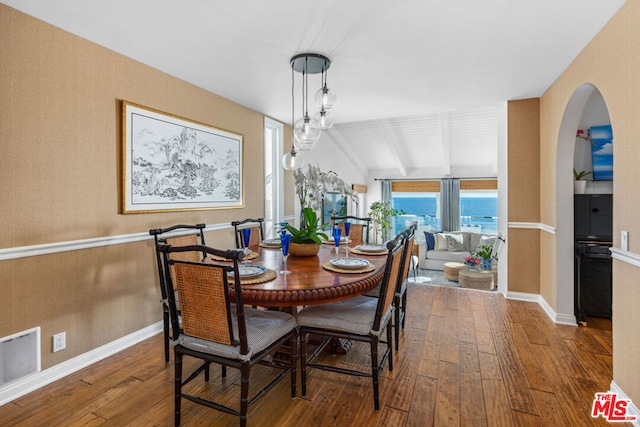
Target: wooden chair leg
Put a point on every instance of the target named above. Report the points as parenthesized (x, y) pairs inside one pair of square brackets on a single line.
[(244, 393), (177, 386), (396, 321), (404, 307), (374, 372), (293, 343), (303, 362), (166, 335), (390, 349)]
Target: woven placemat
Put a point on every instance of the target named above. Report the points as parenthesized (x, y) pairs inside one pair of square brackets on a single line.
[(331, 242), (359, 252), (331, 267), (264, 245), (250, 256), (264, 277)]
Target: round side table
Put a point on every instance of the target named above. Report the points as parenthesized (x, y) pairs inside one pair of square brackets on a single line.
[(481, 279), (451, 270)]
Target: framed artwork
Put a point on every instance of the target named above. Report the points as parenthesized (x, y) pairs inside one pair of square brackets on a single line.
[(333, 204), (602, 152), (170, 163)]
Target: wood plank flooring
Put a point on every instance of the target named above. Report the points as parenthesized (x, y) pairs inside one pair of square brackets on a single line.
[(467, 358)]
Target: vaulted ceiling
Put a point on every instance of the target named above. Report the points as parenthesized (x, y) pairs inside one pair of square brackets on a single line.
[(411, 75)]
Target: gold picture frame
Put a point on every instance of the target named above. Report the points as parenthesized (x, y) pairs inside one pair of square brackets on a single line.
[(170, 163)]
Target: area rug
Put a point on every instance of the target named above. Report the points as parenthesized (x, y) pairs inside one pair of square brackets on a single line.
[(431, 277)]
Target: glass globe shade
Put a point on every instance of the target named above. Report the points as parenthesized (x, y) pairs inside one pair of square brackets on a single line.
[(324, 118), (325, 98), (306, 132), (292, 160)]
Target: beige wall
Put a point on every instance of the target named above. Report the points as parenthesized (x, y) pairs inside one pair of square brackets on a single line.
[(60, 108), (611, 62), (524, 194)]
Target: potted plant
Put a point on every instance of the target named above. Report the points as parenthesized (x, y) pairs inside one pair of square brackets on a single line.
[(484, 253), (305, 241), (580, 183), (382, 214)]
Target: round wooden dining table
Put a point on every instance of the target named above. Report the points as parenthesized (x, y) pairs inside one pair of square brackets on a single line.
[(309, 283)]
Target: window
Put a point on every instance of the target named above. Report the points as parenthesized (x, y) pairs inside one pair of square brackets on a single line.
[(421, 201), (273, 179), (479, 205)]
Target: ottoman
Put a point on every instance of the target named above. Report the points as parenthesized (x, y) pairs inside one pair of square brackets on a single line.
[(481, 279), (451, 270)]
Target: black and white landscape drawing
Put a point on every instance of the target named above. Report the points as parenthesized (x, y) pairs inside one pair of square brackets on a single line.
[(173, 164)]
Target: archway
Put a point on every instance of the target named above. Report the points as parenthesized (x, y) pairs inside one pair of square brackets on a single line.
[(564, 203)]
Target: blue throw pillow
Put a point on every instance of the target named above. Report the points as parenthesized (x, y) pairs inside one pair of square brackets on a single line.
[(431, 241)]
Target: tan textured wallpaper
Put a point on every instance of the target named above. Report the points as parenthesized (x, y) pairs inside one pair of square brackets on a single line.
[(60, 147), (524, 261), (524, 194), (611, 62), (524, 160)]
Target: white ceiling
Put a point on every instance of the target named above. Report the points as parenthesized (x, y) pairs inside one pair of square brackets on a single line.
[(397, 67)]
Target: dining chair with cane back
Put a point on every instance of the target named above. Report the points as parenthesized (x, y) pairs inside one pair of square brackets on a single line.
[(400, 297), (175, 236), (257, 231), (358, 319), (216, 327), (359, 230)]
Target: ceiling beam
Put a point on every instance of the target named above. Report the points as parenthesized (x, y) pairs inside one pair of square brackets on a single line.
[(391, 141)]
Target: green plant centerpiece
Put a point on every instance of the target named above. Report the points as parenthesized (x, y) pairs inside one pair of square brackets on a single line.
[(309, 231), (382, 214)]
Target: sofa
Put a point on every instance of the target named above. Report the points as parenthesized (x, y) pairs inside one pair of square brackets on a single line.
[(437, 248)]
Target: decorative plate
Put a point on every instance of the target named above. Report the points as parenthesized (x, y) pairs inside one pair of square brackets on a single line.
[(349, 263), (249, 270), (271, 242), (371, 248)]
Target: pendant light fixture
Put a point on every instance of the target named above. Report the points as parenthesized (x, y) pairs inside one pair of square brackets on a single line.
[(308, 129), (292, 160)]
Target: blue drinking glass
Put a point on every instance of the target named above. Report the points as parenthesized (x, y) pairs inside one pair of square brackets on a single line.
[(285, 239), (337, 232), (347, 227), (246, 236)]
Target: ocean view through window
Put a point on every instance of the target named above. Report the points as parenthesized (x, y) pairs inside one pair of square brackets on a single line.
[(478, 210)]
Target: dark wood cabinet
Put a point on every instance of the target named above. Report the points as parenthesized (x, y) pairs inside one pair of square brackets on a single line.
[(593, 216), (593, 219)]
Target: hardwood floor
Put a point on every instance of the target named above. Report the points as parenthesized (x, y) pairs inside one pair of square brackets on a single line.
[(467, 358)]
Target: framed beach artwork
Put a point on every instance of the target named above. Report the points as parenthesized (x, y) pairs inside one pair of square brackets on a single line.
[(602, 152), (170, 163)]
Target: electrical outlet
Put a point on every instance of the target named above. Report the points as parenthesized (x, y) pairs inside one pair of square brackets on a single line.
[(59, 341), (624, 240)]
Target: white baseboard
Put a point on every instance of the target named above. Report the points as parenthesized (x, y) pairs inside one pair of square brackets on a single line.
[(632, 409), (18, 388), (560, 319)]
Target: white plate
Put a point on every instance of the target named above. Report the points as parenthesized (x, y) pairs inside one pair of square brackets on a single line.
[(271, 242), (349, 263), (249, 270), (371, 248)]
